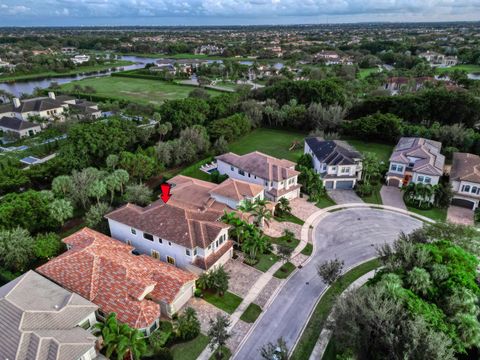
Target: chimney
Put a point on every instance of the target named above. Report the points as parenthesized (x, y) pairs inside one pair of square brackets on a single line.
[(16, 102), (51, 95)]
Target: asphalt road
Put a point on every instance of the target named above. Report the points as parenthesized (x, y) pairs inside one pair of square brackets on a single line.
[(351, 236)]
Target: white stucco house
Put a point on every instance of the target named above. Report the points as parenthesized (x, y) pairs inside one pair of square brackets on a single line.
[(40, 318), (338, 164), (465, 180), (19, 128), (277, 176), (415, 160)]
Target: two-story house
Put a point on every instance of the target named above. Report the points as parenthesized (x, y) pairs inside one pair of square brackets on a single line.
[(41, 320), (415, 160), (138, 288), (465, 180), (277, 176), (338, 164), (187, 237)]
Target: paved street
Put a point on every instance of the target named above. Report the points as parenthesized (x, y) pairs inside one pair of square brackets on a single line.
[(348, 234)]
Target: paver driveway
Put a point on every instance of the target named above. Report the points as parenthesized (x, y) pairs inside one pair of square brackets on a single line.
[(344, 196), (350, 235), (460, 215), (392, 196)]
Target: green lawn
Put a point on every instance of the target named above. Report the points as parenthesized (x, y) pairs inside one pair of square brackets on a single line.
[(307, 250), (270, 141), (190, 350), (195, 172), (290, 218), (78, 70), (325, 202), (363, 73), (228, 302), (434, 213), (383, 151), (284, 271), (316, 323), (470, 68), (375, 198), (282, 240), (251, 314), (142, 91), (226, 354), (265, 262)]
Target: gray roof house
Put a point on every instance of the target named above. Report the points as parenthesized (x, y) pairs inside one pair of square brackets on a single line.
[(416, 160), (19, 127), (39, 320), (337, 162)]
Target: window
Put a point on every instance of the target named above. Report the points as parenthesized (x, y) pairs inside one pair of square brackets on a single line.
[(466, 188), (129, 242), (266, 183), (160, 241), (474, 189), (148, 236), (169, 243), (248, 174), (216, 243), (393, 167), (231, 168), (170, 260), (187, 252), (420, 179), (195, 251), (153, 327), (210, 247), (155, 254), (427, 180), (85, 325), (241, 172), (345, 170)]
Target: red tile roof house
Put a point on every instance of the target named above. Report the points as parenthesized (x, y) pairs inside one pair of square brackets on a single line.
[(103, 270), (277, 176), (186, 232)]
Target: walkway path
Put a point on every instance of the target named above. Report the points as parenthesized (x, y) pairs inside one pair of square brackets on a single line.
[(363, 227)]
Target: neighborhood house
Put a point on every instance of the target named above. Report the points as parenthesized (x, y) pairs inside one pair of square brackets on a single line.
[(415, 160), (41, 320), (138, 288), (465, 180), (277, 176), (338, 164), (18, 128)]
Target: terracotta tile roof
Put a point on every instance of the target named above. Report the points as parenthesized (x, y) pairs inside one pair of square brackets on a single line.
[(465, 167), (104, 271), (427, 151), (189, 228), (236, 189), (262, 165)]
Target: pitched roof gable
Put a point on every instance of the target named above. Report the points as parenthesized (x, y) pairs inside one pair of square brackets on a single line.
[(333, 152), (465, 167)]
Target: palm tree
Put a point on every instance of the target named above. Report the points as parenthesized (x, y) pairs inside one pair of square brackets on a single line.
[(246, 206), (257, 243), (262, 216), (115, 336), (283, 206), (136, 346)]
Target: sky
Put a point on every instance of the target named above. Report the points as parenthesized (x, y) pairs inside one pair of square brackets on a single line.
[(230, 12)]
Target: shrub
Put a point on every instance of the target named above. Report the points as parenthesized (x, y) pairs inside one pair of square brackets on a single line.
[(198, 293), (188, 326), (364, 189), (158, 339), (161, 354)]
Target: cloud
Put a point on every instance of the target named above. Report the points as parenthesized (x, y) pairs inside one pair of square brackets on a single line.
[(224, 9)]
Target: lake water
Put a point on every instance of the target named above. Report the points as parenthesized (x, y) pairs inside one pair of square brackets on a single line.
[(28, 86)]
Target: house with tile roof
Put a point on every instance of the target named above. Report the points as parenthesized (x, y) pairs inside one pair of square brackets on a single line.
[(465, 180), (338, 163), (40, 320), (18, 128), (415, 160), (186, 234), (277, 176), (138, 288)]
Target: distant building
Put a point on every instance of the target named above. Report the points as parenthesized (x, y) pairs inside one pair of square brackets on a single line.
[(19, 128), (80, 59), (439, 60), (395, 85), (465, 180), (332, 58), (69, 50), (209, 50), (40, 320)]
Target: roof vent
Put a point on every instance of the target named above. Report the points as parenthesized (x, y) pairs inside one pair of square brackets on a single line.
[(57, 307)]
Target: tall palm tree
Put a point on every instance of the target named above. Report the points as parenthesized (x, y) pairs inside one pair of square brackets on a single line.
[(262, 216), (247, 206), (257, 243), (136, 345)]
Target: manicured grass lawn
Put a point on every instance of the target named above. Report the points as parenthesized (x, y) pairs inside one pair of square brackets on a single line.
[(270, 141), (290, 218), (470, 68), (195, 172), (228, 302), (78, 70), (190, 350), (142, 91), (383, 151), (375, 198), (226, 354), (325, 202), (285, 270), (307, 250), (251, 314), (282, 240), (331, 351), (324, 307), (266, 261), (363, 73), (434, 213)]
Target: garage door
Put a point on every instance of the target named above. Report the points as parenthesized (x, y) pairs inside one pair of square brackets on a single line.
[(345, 185), (463, 203), (328, 185), (394, 182)]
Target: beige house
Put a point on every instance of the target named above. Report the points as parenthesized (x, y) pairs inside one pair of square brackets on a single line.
[(277, 176), (465, 180), (19, 128)]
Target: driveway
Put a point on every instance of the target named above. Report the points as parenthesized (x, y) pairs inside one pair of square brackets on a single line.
[(350, 235), (344, 196), (460, 215), (392, 196)]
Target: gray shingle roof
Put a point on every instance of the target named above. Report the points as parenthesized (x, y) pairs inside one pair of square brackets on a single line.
[(38, 320), (16, 124)]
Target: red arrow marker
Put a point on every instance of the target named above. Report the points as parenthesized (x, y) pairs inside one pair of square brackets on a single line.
[(165, 192)]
